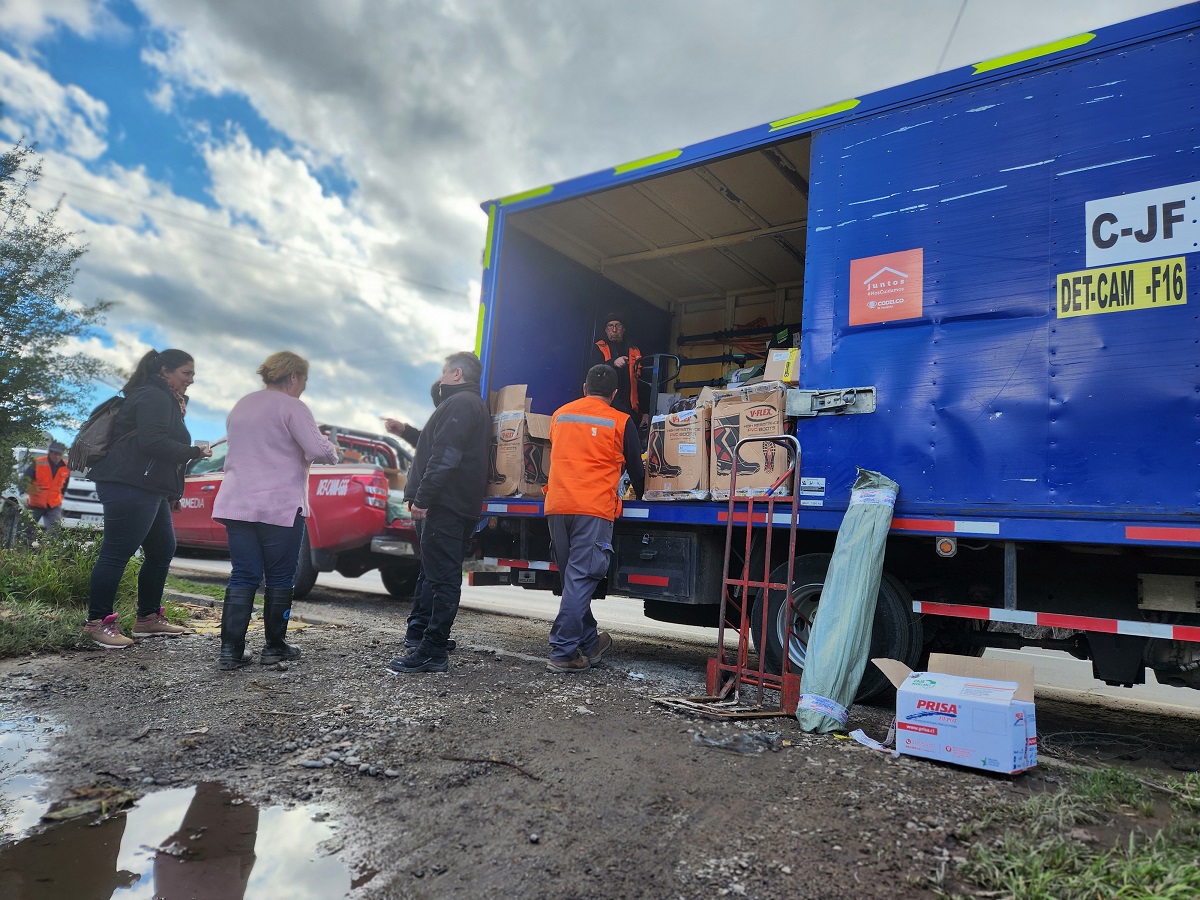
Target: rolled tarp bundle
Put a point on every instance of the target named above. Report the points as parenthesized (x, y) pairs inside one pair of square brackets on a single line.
[(840, 640)]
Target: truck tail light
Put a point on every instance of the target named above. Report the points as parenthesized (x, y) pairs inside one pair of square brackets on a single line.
[(375, 489)]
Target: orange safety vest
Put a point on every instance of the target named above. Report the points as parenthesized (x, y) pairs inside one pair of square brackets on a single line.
[(634, 355), (46, 490), (587, 454)]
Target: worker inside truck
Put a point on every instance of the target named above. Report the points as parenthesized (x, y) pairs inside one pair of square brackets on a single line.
[(613, 349)]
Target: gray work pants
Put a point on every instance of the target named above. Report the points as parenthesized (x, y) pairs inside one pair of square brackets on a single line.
[(582, 548)]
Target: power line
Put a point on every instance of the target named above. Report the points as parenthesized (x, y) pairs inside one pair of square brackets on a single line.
[(950, 38)]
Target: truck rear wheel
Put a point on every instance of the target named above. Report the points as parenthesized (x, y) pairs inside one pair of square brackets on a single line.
[(306, 572), (896, 632), (400, 580)]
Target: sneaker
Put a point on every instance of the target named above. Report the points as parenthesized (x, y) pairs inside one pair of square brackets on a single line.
[(602, 647), (417, 662), (107, 633), (413, 645), (565, 666), (155, 625)]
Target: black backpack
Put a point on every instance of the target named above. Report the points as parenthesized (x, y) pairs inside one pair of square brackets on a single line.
[(95, 438)]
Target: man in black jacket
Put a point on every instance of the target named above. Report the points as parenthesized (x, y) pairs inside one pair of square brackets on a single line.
[(445, 491)]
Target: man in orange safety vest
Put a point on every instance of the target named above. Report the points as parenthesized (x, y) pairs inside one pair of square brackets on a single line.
[(622, 357), (590, 443), (48, 476)]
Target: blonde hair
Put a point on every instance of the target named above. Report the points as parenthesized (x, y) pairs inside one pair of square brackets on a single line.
[(278, 367)]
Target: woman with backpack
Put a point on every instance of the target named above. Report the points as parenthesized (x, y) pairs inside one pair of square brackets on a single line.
[(139, 480)]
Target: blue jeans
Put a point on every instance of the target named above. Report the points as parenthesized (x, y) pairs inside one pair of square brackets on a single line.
[(133, 518), (259, 551)]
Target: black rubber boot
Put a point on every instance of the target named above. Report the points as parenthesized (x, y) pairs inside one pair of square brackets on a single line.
[(277, 608), (235, 619)]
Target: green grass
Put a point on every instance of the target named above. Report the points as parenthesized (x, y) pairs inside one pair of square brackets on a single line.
[(44, 583), (187, 586), (1051, 847)]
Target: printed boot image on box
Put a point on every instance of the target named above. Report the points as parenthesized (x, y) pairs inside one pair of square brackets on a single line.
[(746, 413), (677, 456)]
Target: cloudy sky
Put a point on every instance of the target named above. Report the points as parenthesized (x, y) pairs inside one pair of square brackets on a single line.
[(308, 174)]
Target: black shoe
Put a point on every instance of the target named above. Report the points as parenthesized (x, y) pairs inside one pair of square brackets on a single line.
[(277, 609), (410, 644), (416, 662), (235, 619)]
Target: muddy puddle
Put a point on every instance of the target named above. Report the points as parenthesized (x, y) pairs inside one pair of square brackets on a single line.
[(200, 842)]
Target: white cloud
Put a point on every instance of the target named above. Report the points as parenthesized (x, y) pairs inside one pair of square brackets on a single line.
[(25, 21), (36, 105)]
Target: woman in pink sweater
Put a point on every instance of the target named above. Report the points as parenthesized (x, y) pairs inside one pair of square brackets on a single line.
[(263, 503)]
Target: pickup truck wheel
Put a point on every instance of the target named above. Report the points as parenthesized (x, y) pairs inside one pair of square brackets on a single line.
[(400, 580), (306, 572), (896, 631)]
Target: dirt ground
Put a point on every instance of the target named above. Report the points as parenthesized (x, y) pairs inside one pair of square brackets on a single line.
[(500, 778)]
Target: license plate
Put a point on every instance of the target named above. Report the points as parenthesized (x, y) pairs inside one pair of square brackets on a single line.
[(393, 548), (89, 519)]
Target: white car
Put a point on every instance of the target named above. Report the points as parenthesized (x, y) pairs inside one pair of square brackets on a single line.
[(81, 506)]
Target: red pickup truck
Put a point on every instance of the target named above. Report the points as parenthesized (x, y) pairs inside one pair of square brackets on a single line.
[(358, 521)]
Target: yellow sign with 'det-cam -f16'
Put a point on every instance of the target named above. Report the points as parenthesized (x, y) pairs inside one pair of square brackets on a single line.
[(1142, 285)]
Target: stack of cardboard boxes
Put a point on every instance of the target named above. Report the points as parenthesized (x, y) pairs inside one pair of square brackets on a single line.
[(690, 454), (520, 460)]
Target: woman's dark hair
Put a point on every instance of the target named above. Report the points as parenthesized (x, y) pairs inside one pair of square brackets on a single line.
[(152, 364)]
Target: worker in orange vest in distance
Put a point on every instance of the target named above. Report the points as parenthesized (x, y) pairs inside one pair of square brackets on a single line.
[(48, 476), (590, 443), (613, 351)]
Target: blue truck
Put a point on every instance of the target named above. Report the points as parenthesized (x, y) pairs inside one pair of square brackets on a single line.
[(991, 277)]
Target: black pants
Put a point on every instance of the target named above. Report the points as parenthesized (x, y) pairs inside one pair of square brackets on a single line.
[(444, 538)]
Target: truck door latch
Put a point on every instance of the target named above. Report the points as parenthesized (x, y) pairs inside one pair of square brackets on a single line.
[(836, 401)]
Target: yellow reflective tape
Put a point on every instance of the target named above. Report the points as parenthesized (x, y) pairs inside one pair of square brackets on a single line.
[(830, 110), (990, 65), (1143, 285), (479, 331), (526, 195), (487, 243), (647, 161)]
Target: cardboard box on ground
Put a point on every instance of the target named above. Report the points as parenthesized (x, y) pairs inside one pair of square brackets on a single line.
[(520, 455), (754, 411), (677, 456), (964, 710)]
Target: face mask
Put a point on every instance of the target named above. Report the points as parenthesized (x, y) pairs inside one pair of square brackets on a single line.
[(437, 392)]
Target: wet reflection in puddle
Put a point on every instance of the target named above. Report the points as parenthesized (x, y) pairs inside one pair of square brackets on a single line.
[(23, 742), (203, 842)]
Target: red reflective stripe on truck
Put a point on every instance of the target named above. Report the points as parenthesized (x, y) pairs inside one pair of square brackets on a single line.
[(740, 517), (952, 609), (1148, 533), (655, 580), (1083, 623), (941, 526)]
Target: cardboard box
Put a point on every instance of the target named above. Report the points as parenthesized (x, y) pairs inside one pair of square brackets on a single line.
[(964, 710), (754, 411), (520, 458), (783, 364), (677, 456)]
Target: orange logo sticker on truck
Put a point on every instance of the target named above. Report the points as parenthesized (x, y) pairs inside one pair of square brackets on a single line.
[(887, 288)]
